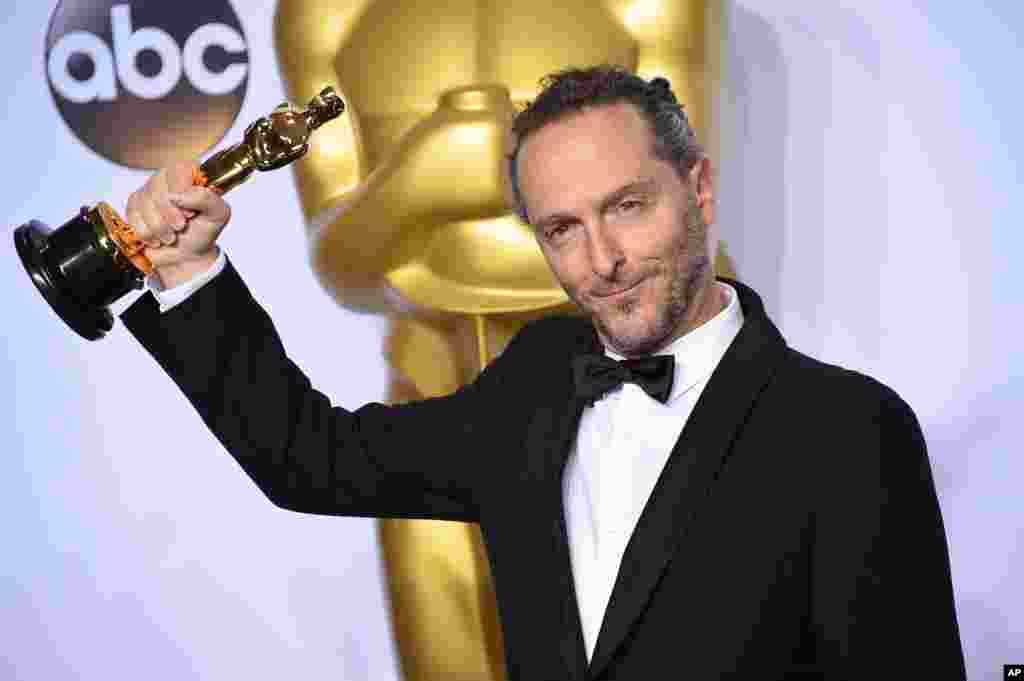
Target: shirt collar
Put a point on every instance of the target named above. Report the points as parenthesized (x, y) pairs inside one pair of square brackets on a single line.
[(698, 352)]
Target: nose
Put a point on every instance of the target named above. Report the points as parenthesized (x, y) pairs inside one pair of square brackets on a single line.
[(606, 255)]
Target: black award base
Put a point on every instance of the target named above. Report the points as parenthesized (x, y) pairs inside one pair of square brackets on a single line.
[(78, 270)]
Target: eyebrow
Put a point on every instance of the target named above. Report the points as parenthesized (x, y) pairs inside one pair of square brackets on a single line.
[(644, 186)]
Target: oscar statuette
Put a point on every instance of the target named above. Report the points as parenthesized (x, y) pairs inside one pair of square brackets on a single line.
[(95, 258)]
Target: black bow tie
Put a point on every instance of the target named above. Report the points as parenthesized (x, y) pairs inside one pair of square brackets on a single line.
[(595, 375)]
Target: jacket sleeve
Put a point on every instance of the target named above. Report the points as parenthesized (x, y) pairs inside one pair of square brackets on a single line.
[(421, 460), (881, 590)]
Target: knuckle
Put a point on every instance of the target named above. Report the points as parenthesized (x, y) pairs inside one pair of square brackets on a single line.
[(138, 224), (149, 206), (157, 229), (168, 211)]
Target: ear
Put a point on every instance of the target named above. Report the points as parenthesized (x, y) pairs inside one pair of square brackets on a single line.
[(702, 179)]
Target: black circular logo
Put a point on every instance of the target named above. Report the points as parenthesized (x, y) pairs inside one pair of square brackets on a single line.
[(143, 83)]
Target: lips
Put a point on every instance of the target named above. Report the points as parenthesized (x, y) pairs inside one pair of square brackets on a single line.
[(615, 292)]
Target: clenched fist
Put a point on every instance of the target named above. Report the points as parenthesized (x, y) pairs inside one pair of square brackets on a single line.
[(178, 222)]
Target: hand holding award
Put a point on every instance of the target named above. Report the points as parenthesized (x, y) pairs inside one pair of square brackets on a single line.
[(97, 257)]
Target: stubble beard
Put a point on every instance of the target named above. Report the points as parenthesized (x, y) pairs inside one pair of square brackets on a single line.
[(688, 270)]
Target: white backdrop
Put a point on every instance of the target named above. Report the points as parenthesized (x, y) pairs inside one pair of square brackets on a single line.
[(870, 190)]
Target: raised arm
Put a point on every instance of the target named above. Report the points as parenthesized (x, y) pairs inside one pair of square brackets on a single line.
[(422, 460)]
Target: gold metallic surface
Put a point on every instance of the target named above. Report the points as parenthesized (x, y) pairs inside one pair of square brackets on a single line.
[(405, 202), (270, 142), (106, 244), (121, 234)]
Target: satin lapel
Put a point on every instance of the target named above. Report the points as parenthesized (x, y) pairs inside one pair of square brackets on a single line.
[(690, 472), (552, 432)]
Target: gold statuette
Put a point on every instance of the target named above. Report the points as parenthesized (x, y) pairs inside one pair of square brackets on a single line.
[(96, 257)]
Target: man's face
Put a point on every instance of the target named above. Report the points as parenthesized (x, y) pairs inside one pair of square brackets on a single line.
[(624, 234)]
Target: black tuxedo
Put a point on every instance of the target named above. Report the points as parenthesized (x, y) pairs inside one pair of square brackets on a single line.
[(794, 532)]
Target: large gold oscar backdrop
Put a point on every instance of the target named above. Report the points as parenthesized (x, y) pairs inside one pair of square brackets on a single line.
[(405, 202)]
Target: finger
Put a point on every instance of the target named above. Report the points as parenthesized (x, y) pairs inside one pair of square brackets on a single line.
[(199, 199), (203, 201), (138, 223), (186, 213), (170, 214), (151, 214), (150, 228)]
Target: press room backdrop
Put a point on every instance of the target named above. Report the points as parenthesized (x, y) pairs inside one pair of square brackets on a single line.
[(870, 190)]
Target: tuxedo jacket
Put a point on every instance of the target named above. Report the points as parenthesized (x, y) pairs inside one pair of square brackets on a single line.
[(794, 532)]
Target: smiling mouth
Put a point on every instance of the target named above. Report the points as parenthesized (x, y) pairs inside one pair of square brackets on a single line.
[(617, 292)]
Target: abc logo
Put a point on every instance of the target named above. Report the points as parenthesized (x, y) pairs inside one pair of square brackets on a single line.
[(143, 83)]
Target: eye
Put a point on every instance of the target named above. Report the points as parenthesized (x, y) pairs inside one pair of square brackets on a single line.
[(630, 205), (557, 231)]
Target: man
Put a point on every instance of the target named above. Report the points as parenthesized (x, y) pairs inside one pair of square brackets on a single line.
[(665, 488)]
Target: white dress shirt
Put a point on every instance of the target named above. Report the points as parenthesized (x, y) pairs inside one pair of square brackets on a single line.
[(171, 297), (624, 441)]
